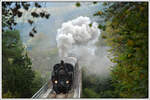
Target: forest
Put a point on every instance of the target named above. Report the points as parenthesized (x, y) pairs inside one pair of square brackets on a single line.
[(124, 30)]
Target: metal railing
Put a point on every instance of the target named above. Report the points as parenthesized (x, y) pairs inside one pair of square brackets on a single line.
[(41, 91)]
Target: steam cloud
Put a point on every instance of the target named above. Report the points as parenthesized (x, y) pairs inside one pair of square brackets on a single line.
[(75, 33), (78, 37)]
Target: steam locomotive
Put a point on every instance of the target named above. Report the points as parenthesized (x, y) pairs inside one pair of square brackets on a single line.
[(63, 75)]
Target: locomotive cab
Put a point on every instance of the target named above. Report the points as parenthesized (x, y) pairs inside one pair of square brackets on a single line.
[(62, 77)]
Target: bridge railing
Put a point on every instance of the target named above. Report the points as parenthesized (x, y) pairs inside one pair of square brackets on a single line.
[(41, 91)]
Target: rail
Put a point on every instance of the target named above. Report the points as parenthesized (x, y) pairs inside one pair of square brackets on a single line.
[(42, 90)]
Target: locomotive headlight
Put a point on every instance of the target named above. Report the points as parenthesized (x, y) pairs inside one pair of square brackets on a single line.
[(67, 82), (55, 81)]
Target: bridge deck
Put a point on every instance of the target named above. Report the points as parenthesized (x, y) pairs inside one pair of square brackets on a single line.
[(47, 92)]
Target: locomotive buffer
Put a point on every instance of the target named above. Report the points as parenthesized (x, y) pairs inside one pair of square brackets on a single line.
[(47, 90)]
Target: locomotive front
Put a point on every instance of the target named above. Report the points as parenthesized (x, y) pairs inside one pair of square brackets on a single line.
[(63, 75)]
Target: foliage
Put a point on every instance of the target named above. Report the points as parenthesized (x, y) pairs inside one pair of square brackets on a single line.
[(78, 4), (89, 93), (10, 95), (127, 34), (101, 40), (37, 82), (17, 75), (18, 79), (12, 10), (95, 86), (94, 2)]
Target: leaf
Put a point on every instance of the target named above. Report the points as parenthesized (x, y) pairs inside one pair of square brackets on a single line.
[(130, 43), (129, 55), (34, 14), (31, 34), (90, 25), (42, 14), (10, 60), (104, 37), (34, 30), (30, 22), (142, 76), (37, 5), (47, 16), (78, 4), (94, 2), (19, 13), (98, 13)]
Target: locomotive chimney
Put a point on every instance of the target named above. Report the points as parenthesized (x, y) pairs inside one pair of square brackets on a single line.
[(62, 62)]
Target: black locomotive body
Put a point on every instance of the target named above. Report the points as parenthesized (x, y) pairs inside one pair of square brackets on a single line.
[(62, 77)]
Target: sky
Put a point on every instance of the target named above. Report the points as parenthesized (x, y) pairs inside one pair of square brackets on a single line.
[(42, 48), (60, 12)]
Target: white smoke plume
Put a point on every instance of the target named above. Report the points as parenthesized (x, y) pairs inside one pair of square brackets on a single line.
[(78, 38), (76, 33)]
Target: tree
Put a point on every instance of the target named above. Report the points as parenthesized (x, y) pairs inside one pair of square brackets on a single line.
[(17, 75), (12, 10), (37, 83), (18, 78), (126, 31), (94, 86)]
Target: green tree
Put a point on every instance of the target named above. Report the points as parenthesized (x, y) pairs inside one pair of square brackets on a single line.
[(37, 82), (17, 75), (95, 86), (89, 93), (126, 31)]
